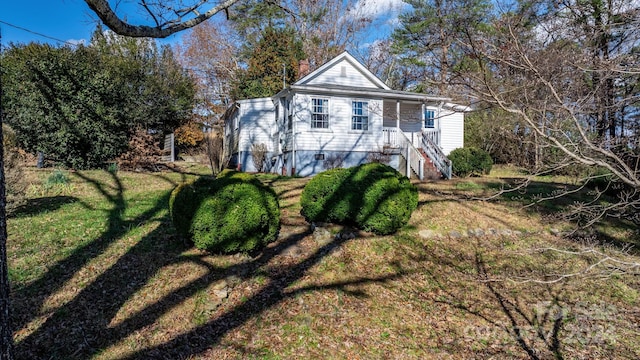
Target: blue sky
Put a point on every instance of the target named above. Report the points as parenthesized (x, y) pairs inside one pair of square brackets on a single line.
[(68, 20), (72, 20)]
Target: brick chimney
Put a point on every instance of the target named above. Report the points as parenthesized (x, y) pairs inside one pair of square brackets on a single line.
[(303, 68)]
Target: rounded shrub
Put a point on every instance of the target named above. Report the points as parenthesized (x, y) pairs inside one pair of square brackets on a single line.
[(470, 161), (374, 197), (388, 199), (325, 199), (234, 212)]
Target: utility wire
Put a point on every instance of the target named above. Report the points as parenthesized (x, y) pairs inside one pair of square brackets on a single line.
[(37, 33)]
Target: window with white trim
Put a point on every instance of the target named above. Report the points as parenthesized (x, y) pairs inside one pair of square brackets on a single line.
[(319, 113), (360, 115), (429, 119)]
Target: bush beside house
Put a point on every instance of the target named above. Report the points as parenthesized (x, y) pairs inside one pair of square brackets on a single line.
[(470, 161)]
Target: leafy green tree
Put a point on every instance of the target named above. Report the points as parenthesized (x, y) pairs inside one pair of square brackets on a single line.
[(80, 106), (278, 50), (428, 39)]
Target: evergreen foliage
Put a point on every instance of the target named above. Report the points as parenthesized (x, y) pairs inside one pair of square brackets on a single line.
[(470, 161), (234, 212), (277, 50), (374, 197), (81, 106), (426, 40)]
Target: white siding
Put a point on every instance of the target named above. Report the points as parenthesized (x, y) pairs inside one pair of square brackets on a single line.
[(257, 123), (231, 133), (452, 130), (342, 73), (339, 136)]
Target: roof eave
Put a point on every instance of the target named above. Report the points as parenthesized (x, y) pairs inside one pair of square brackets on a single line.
[(373, 93)]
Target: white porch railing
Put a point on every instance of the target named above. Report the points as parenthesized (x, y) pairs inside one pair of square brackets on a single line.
[(390, 136), (432, 134), (434, 152), (415, 160), (409, 143)]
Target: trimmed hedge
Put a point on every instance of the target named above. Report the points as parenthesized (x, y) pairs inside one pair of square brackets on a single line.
[(470, 161), (234, 212), (373, 197)]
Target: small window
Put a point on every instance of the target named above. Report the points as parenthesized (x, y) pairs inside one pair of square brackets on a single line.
[(360, 115), (319, 156), (289, 114), (320, 113), (429, 119)]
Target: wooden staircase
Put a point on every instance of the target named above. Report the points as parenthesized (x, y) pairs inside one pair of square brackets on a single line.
[(430, 169)]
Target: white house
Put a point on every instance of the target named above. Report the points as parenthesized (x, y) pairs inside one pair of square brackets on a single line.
[(343, 115)]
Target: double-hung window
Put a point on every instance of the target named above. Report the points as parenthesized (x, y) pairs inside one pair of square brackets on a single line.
[(429, 119), (319, 113), (360, 115)]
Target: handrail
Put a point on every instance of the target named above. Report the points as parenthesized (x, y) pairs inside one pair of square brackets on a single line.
[(438, 157), (414, 157)]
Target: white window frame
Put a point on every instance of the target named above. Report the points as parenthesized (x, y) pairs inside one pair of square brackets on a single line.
[(429, 121), (360, 121), (319, 117)]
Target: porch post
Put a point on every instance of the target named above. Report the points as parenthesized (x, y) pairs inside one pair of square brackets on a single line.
[(438, 115), (409, 162), (423, 116), (439, 118), (398, 115)]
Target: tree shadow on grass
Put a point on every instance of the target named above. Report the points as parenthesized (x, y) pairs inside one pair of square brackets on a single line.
[(514, 319), (85, 325), (29, 299), (42, 205)]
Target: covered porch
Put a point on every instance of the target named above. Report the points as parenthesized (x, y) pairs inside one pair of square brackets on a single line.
[(413, 129), (413, 118)]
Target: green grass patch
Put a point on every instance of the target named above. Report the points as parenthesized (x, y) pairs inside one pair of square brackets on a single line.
[(103, 266)]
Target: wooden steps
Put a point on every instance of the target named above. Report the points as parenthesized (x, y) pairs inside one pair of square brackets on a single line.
[(431, 172)]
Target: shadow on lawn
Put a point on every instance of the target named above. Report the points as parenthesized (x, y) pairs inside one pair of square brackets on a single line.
[(542, 320), (42, 205), (82, 327)]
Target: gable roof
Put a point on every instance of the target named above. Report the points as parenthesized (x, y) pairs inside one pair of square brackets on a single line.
[(345, 56)]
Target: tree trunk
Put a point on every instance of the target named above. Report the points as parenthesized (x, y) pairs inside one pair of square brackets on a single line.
[(6, 346), (6, 332)]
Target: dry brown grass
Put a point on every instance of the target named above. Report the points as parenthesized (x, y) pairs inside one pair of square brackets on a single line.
[(130, 289)]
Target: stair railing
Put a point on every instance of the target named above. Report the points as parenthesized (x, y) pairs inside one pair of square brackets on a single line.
[(440, 160), (415, 160)]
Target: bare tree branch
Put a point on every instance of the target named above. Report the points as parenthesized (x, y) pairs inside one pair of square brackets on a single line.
[(162, 28)]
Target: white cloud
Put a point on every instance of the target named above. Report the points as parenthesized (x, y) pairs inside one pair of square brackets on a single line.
[(375, 9)]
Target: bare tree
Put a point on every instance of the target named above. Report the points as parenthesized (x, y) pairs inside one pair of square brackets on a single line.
[(259, 155), (326, 27), (210, 53), (214, 148), (548, 82), (166, 17)]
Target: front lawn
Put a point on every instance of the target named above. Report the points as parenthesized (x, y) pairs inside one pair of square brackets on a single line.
[(97, 272)]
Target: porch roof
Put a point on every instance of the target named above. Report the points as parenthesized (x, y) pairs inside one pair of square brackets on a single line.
[(360, 92)]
